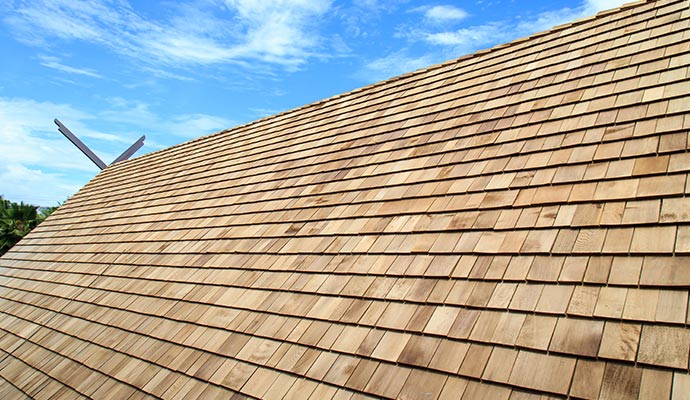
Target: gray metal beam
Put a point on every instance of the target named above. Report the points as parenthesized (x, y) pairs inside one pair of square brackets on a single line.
[(93, 157), (80, 145), (131, 150)]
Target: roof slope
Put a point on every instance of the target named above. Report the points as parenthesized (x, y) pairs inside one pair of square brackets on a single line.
[(506, 225)]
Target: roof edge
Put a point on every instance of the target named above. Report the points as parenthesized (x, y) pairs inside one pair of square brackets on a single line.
[(476, 54)]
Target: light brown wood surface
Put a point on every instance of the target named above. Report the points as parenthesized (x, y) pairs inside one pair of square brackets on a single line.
[(512, 224)]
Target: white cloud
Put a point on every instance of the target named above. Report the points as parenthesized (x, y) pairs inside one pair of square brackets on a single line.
[(32, 138), (466, 39), (367, 4), (35, 186), (361, 18), (394, 64), (447, 44), (194, 125), (162, 73), (339, 45), (377, 6), (54, 63), (547, 20), (599, 5), (235, 31), (33, 150), (445, 14), (136, 114), (41, 167), (277, 31), (264, 112), (29, 136)]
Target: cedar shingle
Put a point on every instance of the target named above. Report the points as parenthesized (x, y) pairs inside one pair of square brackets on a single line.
[(666, 346), (620, 341), (536, 332), (587, 379), (556, 375), (577, 336), (655, 384), (517, 217), (620, 382)]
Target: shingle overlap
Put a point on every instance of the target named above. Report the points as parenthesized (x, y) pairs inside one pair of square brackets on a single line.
[(509, 224)]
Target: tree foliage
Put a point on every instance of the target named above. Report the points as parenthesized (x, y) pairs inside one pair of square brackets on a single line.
[(18, 219)]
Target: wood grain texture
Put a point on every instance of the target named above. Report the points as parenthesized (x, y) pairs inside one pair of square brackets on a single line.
[(511, 224)]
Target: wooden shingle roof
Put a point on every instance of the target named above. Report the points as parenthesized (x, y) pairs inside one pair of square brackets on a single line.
[(509, 225)]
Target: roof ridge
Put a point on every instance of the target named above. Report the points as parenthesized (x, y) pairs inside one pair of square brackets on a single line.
[(218, 143), (476, 54)]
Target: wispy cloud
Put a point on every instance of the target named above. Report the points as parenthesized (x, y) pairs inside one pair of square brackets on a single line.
[(394, 64), (377, 6), (282, 33), (194, 125), (28, 133), (463, 39), (33, 149), (478, 36), (442, 13), (599, 5), (443, 43), (55, 63), (468, 39), (20, 182), (264, 112), (35, 155), (136, 114), (361, 17), (278, 31)]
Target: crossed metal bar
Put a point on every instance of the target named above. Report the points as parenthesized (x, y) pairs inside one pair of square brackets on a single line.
[(90, 154)]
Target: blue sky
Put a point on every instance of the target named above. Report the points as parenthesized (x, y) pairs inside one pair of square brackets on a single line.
[(112, 70)]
